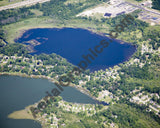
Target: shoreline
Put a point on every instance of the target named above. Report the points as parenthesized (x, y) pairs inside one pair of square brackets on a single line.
[(82, 90), (91, 30), (21, 31), (21, 114)]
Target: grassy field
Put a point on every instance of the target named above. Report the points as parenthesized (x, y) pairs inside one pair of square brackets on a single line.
[(15, 30), (21, 114), (6, 2)]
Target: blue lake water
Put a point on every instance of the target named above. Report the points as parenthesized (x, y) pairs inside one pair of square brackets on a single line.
[(72, 43), (18, 92)]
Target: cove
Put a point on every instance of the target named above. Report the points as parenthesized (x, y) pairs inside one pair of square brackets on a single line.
[(18, 92), (72, 43)]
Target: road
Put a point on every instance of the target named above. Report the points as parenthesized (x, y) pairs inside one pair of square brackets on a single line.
[(142, 8), (31, 2), (23, 3)]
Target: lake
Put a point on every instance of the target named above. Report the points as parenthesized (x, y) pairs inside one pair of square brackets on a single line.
[(72, 43), (18, 92)]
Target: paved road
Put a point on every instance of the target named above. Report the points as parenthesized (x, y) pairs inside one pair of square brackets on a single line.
[(31, 2), (142, 8), (23, 3)]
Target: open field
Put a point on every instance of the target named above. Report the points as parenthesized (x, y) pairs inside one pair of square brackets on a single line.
[(114, 7), (21, 114), (15, 30), (6, 2), (22, 3)]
